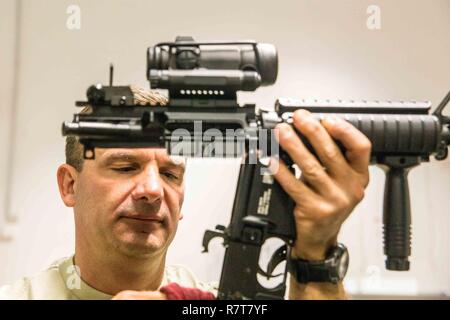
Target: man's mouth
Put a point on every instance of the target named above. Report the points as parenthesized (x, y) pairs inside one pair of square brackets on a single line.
[(144, 219)]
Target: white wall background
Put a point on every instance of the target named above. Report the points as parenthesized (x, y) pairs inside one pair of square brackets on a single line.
[(325, 50)]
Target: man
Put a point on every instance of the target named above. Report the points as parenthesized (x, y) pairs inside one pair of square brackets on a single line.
[(127, 206)]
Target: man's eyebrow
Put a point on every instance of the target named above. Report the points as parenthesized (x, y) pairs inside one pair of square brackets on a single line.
[(113, 157), (172, 164), (128, 157)]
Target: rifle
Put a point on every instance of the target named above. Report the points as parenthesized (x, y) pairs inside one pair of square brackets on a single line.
[(203, 118)]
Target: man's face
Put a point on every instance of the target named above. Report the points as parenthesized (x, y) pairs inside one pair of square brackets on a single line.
[(129, 200)]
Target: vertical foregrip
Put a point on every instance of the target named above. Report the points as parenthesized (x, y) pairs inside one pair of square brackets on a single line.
[(397, 219)]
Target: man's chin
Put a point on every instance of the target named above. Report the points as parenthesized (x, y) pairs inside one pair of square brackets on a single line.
[(140, 245)]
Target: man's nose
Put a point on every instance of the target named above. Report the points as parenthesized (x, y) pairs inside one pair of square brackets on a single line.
[(149, 186)]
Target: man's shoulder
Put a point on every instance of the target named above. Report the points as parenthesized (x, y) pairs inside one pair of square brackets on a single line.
[(184, 277), (47, 284), (20, 290), (50, 283)]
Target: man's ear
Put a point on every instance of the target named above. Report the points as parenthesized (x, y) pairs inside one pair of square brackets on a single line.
[(67, 177), (181, 204)]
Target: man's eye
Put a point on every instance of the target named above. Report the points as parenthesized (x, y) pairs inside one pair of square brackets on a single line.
[(170, 175), (124, 169)]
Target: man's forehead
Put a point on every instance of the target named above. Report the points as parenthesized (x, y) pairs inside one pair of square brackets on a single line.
[(140, 154)]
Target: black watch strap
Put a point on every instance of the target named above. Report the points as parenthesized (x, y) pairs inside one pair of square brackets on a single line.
[(308, 271), (332, 269)]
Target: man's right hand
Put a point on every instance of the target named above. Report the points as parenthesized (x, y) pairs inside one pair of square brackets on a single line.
[(172, 291), (140, 295)]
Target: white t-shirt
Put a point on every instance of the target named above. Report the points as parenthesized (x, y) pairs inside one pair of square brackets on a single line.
[(61, 281)]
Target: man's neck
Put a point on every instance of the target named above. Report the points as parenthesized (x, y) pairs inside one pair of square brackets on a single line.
[(114, 272)]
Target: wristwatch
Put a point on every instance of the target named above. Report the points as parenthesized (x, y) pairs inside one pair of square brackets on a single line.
[(332, 269)]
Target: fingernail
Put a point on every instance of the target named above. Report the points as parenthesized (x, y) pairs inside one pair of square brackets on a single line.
[(284, 130), (274, 164), (331, 120), (302, 113)]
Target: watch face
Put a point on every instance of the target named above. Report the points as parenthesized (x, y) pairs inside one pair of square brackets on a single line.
[(343, 265)]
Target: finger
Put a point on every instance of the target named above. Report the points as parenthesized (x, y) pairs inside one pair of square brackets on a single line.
[(295, 188), (357, 145), (324, 146), (307, 163)]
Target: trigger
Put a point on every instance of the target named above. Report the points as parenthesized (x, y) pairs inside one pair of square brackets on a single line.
[(277, 257)]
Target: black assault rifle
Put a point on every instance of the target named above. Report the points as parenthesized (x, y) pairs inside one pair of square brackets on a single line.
[(202, 79)]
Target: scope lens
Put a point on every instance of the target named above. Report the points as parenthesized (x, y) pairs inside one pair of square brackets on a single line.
[(268, 63)]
